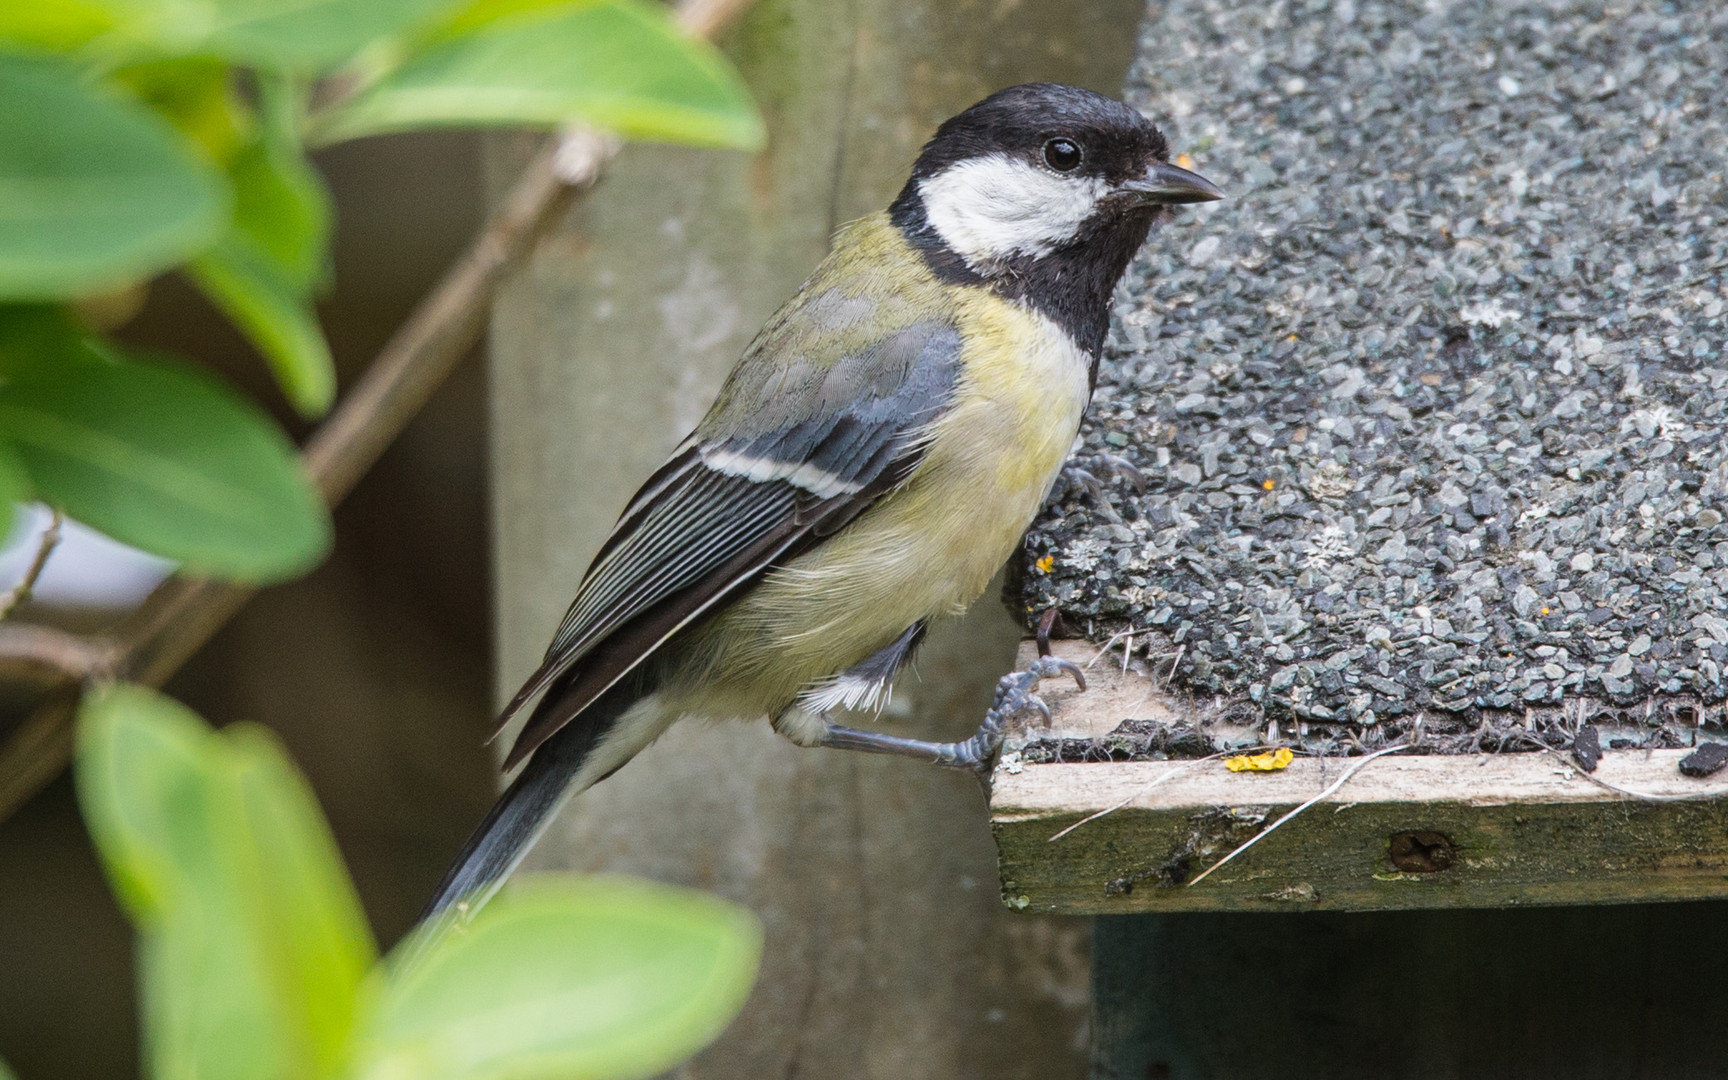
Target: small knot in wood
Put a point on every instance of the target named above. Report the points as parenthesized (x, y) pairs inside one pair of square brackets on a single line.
[(1420, 852)]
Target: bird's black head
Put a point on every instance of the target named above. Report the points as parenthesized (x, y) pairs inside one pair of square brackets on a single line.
[(1043, 192)]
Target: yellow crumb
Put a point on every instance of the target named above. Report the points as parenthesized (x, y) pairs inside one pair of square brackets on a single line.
[(1184, 161), (1268, 483), (1045, 563), (1271, 761)]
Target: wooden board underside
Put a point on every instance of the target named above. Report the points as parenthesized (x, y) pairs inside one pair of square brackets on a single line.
[(1517, 828)]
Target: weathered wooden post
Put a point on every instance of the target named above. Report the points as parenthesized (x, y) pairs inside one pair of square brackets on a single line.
[(888, 954)]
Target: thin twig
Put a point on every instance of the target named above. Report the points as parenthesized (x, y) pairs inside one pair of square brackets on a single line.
[(1110, 643), (185, 612), (43, 744), (1642, 796), (51, 657), (1335, 785), (45, 545)]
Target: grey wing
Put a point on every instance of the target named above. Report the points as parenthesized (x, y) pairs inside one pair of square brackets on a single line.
[(789, 454)]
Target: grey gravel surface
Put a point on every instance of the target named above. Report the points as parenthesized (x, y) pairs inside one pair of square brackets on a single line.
[(1434, 407)]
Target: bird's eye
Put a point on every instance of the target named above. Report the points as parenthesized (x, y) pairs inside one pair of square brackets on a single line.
[(1063, 155)]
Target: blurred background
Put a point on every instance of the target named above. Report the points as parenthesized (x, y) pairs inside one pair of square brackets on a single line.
[(375, 668), (888, 951)]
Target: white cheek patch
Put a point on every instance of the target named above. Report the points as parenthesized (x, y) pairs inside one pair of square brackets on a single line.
[(991, 208)]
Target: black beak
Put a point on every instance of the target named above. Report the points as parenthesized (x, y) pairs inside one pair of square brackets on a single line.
[(1165, 184)]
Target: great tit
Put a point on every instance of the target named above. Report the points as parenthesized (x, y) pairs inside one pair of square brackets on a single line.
[(869, 464)]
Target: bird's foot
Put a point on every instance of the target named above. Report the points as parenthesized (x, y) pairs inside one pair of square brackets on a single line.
[(1082, 473), (1015, 694)]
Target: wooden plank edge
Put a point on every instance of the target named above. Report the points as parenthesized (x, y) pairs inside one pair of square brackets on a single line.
[(1406, 832)]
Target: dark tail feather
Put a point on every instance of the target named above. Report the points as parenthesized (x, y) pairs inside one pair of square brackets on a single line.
[(525, 808)]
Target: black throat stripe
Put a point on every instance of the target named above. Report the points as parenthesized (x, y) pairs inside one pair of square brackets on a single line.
[(1072, 286)]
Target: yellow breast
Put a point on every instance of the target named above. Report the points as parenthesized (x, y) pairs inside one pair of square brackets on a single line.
[(931, 547)]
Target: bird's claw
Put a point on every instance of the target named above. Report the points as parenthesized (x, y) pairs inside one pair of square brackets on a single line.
[(1014, 690), (1115, 466), (1015, 694), (1093, 485), (1083, 472)]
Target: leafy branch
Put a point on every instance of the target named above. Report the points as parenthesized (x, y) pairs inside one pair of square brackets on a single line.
[(255, 959), (39, 345)]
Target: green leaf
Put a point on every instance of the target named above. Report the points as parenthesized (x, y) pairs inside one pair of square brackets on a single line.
[(263, 272), (564, 979), (40, 337), (14, 489), (142, 784), (616, 64), (169, 461), (252, 945), (195, 94), (94, 191), (321, 948), (278, 319), (308, 35), (151, 784), (53, 26), (281, 206), (6, 1072), (204, 1002), (303, 35)]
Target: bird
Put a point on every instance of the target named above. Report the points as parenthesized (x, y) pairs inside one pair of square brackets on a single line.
[(872, 460)]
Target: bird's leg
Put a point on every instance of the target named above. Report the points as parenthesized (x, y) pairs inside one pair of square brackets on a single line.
[(1083, 472), (1014, 694)]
